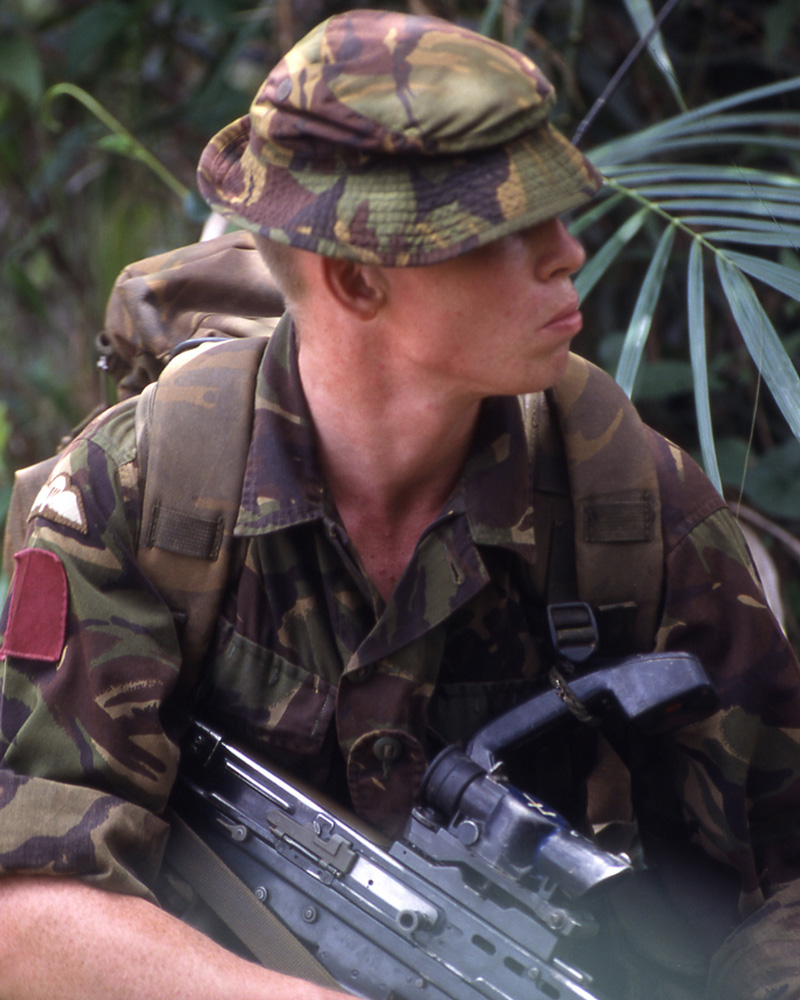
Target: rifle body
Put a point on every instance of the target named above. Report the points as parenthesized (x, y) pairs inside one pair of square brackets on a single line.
[(386, 920), (480, 898)]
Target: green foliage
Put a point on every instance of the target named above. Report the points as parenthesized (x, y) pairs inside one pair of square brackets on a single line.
[(642, 15), (700, 221), (104, 107), (119, 140), (20, 69), (713, 207)]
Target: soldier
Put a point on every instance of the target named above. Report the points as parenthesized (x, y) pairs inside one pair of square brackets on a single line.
[(405, 188)]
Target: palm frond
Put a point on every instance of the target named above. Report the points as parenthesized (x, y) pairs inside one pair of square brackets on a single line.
[(656, 138), (641, 12), (697, 351), (608, 253), (762, 341), (738, 216), (642, 318)]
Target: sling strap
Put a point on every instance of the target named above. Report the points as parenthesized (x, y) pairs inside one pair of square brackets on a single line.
[(268, 940)]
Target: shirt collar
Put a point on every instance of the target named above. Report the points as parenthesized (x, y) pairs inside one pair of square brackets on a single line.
[(497, 486), (283, 484)]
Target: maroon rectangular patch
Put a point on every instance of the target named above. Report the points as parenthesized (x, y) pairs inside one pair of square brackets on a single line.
[(37, 616)]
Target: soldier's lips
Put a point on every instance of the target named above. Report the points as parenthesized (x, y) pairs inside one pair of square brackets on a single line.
[(565, 324)]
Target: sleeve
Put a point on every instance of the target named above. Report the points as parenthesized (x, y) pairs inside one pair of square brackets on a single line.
[(760, 960), (735, 775), (90, 657)]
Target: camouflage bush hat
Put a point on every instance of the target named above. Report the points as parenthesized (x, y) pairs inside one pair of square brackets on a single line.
[(396, 140)]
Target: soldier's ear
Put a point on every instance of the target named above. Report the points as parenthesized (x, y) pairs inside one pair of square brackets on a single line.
[(361, 289)]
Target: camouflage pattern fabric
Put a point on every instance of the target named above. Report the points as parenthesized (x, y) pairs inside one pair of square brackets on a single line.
[(311, 667), (161, 301), (759, 960), (395, 140)]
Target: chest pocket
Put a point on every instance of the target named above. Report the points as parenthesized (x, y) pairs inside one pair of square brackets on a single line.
[(259, 695)]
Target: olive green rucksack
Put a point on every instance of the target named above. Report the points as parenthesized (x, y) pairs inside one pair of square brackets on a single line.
[(596, 490), (219, 288)]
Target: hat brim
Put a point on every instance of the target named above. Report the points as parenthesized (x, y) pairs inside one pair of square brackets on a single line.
[(392, 210)]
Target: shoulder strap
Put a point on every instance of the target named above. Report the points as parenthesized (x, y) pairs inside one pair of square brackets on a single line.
[(193, 431), (595, 471)]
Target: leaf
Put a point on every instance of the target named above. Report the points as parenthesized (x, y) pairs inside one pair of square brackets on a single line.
[(707, 127), (695, 305), (594, 270), (710, 193), (119, 140), (778, 276), (786, 236), (642, 173), (641, 13), (756, 225), (21, 68), (762, 342), (771, 210), (93, 29), (707, 123), (489, 18), (642, 318), (715, 143), (717, 205), (655, 136), (123, 145), (599, 208)]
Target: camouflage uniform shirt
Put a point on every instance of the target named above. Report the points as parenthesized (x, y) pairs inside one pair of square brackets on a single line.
[(311, 667)]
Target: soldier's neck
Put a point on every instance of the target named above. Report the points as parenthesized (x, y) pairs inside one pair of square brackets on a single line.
[(390, 457)]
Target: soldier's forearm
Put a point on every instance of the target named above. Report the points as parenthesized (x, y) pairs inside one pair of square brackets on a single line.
[(59, 937)]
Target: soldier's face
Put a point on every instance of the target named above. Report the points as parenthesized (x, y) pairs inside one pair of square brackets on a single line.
[(498, 320)]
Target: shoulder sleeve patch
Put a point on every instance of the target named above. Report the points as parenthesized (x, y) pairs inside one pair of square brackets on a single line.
[(37, 616), (59, 501)]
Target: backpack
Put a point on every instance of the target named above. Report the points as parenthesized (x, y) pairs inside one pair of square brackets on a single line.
[(218, 288), (596, 491)]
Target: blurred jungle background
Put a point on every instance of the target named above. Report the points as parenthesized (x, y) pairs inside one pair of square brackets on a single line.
[(667, 307)]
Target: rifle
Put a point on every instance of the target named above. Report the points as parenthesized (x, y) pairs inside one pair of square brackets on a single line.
[(486, 886)]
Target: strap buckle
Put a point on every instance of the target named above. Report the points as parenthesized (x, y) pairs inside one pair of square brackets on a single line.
[(573, 630)]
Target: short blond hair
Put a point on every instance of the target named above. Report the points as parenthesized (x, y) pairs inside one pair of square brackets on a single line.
[(282, 262)]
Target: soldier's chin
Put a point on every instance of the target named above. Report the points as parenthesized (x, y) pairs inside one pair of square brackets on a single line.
[(559, 361), (547, 372)]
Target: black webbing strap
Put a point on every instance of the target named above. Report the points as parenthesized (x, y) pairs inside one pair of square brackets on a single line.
[(570, 621), (251, 921)]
